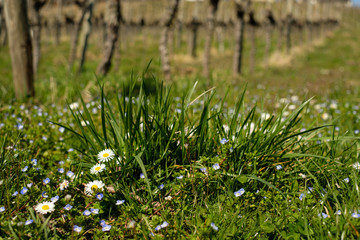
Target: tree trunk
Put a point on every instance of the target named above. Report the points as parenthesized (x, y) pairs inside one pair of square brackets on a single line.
[(166, 24), (1, 18), (213, 7), (239, 35), (252, 48), (113, 15), (193, 27), (35, 25), (220, 38), (289, 18), (118, 49), (270, 22), (58, 22), (86, 33), (75, 37), (20, 47)]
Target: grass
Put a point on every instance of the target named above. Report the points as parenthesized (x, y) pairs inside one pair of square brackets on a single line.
[(186, 161)]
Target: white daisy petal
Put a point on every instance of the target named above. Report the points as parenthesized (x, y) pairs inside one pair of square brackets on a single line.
[(94, 186), (45, 207), (97, 168), (106, 155)]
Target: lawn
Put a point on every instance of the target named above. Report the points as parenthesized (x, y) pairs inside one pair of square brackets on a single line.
[(268, 155)]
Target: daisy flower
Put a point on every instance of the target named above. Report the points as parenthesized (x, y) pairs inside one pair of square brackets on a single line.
[(94, 186), (106, 155), (97, 168), (356, 165), (45, 207), (64, 185)]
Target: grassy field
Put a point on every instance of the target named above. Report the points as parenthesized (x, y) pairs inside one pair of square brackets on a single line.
[(268, 155)]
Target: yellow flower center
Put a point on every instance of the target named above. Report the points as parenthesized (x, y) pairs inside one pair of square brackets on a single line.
[(93, 187), (97, 168), (105, 155), (45, 207)]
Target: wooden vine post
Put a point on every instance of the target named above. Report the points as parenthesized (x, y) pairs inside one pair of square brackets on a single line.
[(166, 23)]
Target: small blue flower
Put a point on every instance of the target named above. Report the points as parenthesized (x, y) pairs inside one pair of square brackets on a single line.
[(301, 196), (278, 167), (102, 222), (29, 185), (68, 207), (28, 222), (355, 215), (24, 190), (180, 177), (161, 186), (99, 196), (77, 228), (46, 181), (61, 170), (86, 213), (2, 209), (223, 141), (204, 170), (158, 227), (15, 193), (25, 169), (94, 210), (142, 175), (346, 180), (61, 162), (55, 199), (70, 174), (34, 161), (216, 166), (324, 215), (106, 228), (44, 195), (214, 226), (239, 193), (119, 202), (164, 224), (338, 212), (310, 189)]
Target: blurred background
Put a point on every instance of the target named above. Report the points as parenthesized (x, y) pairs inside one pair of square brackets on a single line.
[(306, 45)]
